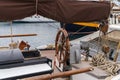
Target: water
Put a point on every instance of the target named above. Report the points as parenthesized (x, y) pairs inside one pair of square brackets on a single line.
[(46, 33)]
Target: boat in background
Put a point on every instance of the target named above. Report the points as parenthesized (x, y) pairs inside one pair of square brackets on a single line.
[(77, 31), (74, 29), (34, 19)]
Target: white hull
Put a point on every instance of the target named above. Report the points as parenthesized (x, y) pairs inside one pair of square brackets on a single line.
[(114, 27), (35, 18)]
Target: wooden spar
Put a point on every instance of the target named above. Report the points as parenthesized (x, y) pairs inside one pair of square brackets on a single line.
[(89, 24), (117, 52), (61, 74), (16, 35)]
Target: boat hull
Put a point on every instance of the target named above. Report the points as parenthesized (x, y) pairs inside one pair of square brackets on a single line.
[(76, 31)]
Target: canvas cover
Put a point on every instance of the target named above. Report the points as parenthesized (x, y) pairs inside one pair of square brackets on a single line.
[(10, 56), (67, 11)]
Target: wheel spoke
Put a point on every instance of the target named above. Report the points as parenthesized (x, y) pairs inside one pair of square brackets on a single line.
[(61, 46)]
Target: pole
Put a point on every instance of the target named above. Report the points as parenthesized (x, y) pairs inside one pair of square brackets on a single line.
[(11, 31), (61, 74)]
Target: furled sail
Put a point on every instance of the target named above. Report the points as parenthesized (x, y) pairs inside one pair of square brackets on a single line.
[(67, 11), (16, 9)]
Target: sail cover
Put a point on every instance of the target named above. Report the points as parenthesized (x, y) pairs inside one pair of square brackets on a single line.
[(16, 9), (67, 11)]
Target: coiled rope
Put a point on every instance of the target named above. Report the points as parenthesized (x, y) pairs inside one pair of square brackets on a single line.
[(100, 61)]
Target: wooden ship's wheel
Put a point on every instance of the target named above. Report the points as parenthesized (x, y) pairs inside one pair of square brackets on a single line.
[(62, 47)]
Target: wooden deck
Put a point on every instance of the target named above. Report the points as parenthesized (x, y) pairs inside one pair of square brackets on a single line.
[(97, 74), (50, 54)]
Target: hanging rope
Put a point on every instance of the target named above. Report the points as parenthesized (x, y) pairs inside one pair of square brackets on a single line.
[(99, 39), (79, 30), (13, 44), (103, 39), (11, 33)]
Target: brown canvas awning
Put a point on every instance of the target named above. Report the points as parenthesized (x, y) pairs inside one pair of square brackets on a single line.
[(67, 11), (16, 9)]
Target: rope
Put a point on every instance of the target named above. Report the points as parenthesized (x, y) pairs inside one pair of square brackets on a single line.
[(77, 31), (48, 14), (98, 42), (11, 31), (100, 61), (81, 32), (13, 44), (55, 14)]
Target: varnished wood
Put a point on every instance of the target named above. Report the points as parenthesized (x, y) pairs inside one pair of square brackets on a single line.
[(23, 44), (62, 46), (17, 35), (61, 74)]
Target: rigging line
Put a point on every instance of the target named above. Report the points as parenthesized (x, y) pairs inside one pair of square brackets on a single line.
[(78, 30), (55, 10), (55, 14), (98, 42), (11, 31), (48, 14), (106, 40), (99, 39), (81, 32)]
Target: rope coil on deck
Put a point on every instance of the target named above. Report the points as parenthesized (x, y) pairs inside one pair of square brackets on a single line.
[(100, 61)]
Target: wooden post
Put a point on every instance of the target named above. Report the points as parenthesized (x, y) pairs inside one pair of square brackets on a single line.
[(117, 52), (61, 74)]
